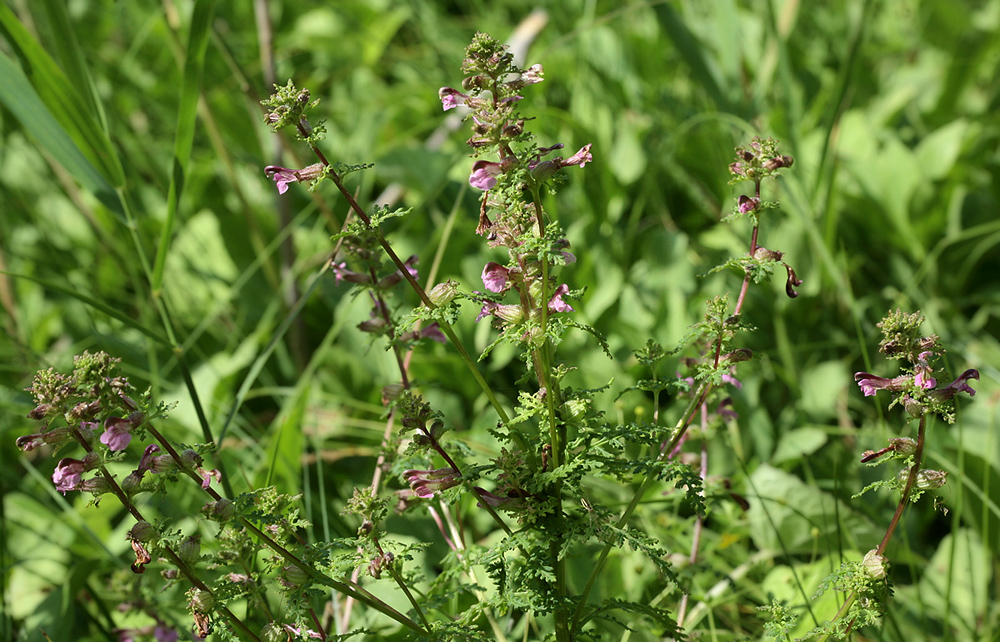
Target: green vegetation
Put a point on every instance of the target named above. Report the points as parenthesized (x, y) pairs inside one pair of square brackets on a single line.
[(136, 219)]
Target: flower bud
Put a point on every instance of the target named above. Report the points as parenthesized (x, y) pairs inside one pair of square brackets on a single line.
[(736, 356), (190, 459), (221, 510), (764, 254), (294, 575), (875, 565), (142, 532), (778, 162), (573, 410), (512, 314), (95, 486), (443, 293), (41, 411), (930, 479), (131, 484), (272, 632), (903, 446), (201, 601), (190, 549)]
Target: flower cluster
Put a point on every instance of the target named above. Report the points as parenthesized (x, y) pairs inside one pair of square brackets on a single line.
[(494, 84), (916, 389), (755, 162)]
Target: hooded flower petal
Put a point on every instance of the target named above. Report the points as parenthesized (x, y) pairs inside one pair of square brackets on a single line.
[(282, 176), (556, 303), (870, 384), (488, 308), (67, 474), (451, 98), (580, 158), (958, 385), (495, 277), (117, 433), (484, 174), (424, 483)]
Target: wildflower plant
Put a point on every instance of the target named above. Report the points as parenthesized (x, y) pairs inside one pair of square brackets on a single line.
[(512, 515), (916, 391)]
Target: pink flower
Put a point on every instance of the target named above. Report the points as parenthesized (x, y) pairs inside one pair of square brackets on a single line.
[(923, 371), (282, 176), (495, 277), (433, 332), (556, 303), (870, 384), (581, 158), (747, 204), (424, 483), (451, 98), (341, 273), (67, 474), (208, 475), (542, 170), (489, 307), (117, 433), (958, 385), (484, 174)]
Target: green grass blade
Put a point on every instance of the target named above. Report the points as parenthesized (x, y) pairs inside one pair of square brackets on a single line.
[(194, 62), (693, 54), (71, 58), (94, 303), (20, 97), (57, 93)]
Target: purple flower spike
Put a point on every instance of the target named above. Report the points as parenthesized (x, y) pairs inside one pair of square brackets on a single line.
[(495, 277), (556, 303), (484, 174)]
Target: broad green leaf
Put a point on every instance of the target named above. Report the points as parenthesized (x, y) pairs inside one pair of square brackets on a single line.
[(793, 517), (938, 152), (955, 585), (799, 443)]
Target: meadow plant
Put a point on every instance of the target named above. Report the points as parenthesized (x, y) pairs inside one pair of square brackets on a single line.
[(867, 583), (511, 521)]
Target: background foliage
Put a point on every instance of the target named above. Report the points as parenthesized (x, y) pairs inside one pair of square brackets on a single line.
[(889, 109)]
